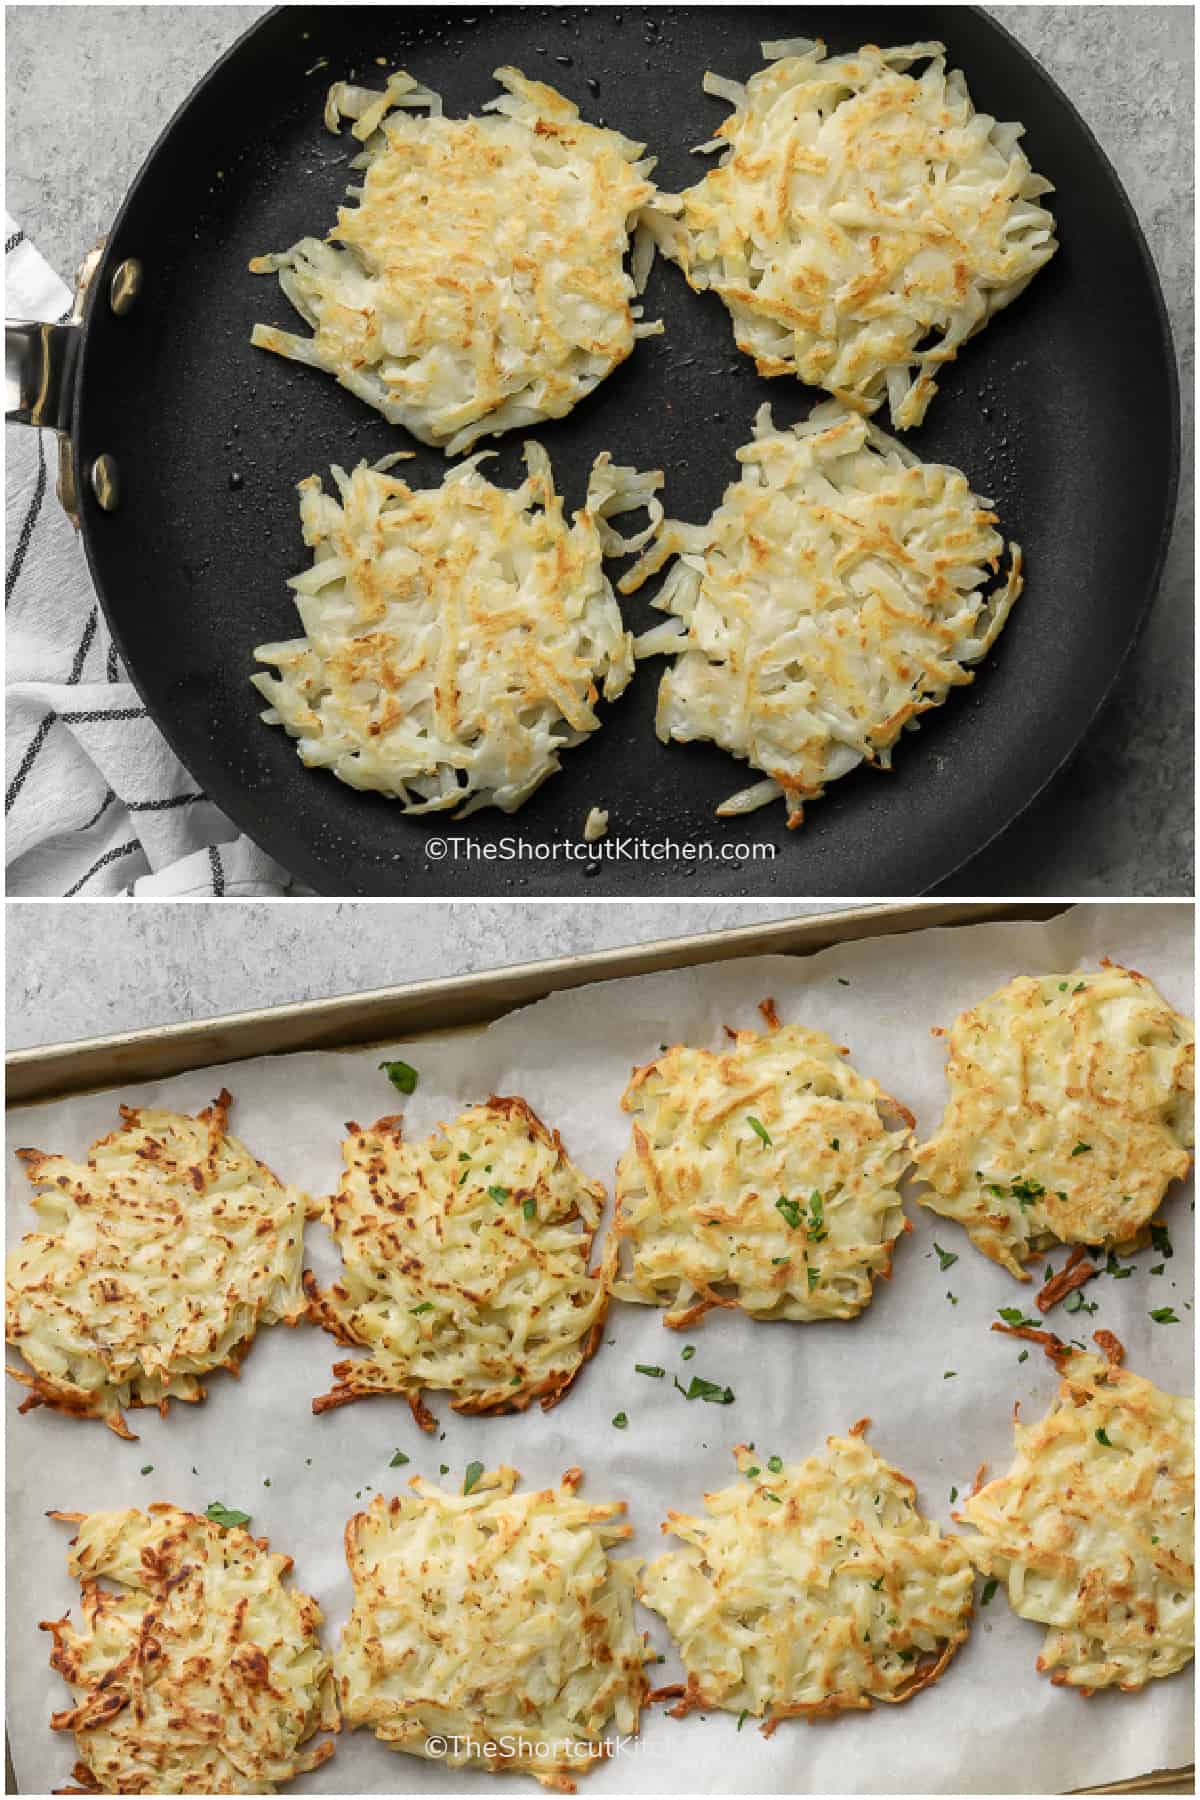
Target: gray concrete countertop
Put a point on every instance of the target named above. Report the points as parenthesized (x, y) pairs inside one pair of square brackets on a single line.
[(1121, 822), (85, 971)]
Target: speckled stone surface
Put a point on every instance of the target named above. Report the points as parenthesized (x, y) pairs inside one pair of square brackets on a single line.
[(85, 971), (1121, 820)]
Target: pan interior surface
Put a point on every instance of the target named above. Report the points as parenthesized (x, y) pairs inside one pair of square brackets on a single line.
[(1063, 412)]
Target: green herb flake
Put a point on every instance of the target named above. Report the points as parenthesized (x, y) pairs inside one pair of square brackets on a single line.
[(989, 1591), (498, 1194), (742, 1717), (444, 1468), (768, 1495), (225, 1516), (1076, 1303), (1157, 1268), (1102, 1437), (876, 1585), (842, 982), (790, 1210), (814, 1279), (1081, 1149), (952, 1298), (946, 1258), (775, 1464), (759, 1129), (815, 1226), (1012, 1315), (474, 1471), (1026, 1191), (700, 1389), (147, 1468), (906, 1656), (949, 1374), (620, 1420), (1080, 989), (779, 1262), (425, 1306), (953, 1495), (650, 1369), (1024, 1356), (402, 1076), (1160, 1238), (835, 1143), (1062, 987), (1164, 1315), (751, 1472), (687, 1353), (398, 1461), (529, 1208)]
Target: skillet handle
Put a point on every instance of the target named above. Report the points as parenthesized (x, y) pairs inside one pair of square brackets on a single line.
[(39, 372), (41, 361)]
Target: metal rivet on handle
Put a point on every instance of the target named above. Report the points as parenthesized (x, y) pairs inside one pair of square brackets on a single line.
[(125, 286), (106, 482)]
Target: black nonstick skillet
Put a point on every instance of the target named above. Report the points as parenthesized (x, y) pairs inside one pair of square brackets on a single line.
[(185, 445)]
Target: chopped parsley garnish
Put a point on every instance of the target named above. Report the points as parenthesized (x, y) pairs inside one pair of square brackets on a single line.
[(1081, 1149), (842, 982), (474, 1471), (816, 1222), (768, 1495), (1079, 990), (775, 1464), (742, 1717), (989, 1590), (952, 1298), (790, 1210), (425, 1306), (402, 1075), (953, 1495), (1027, 1191), (1160, 1237), (444, 1468), (759, 1129), (620, 1420), (814, 1279), (148, 1469), (398, 1461), (1062, 987), (1024, 1356), (700, 1389), (498, 1194), (1157, 1268), (876, 1585), (752, 1472), (1076, 1303), (1164, 1315), (835, 1143), (529, 1208), (906, 1656), (1102, 1437), (949, 1374), (225, 1516), (1012, 1315), (1113, 1267), (688, 1351), (650, 1369), (945, 1257), (777, 1262)]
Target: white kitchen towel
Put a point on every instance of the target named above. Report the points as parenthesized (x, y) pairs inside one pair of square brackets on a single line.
[(96, 803)]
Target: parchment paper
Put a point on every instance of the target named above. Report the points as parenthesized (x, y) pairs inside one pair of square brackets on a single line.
[(992, 1724)]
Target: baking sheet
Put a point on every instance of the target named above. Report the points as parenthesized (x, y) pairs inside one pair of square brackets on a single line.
[(991, 1724)]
